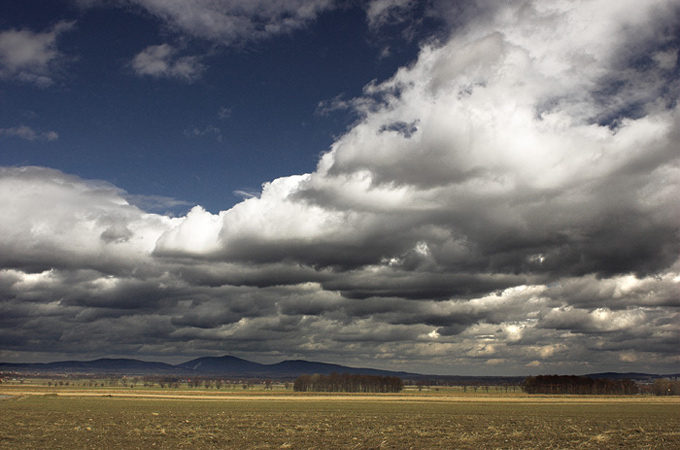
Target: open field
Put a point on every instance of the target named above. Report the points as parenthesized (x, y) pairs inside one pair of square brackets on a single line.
[(77, 418)]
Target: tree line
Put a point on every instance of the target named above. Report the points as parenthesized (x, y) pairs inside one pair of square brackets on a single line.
[(663, 386), (572, 384), (347, 383)]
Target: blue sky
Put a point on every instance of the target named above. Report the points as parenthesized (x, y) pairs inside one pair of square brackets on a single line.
[(247, 113), (471, 187)]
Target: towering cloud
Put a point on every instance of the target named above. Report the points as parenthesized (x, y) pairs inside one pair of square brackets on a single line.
[(491, 154)]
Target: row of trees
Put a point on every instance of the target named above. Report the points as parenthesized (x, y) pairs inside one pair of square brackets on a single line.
[(572, 384), (347, 383), (165, 382), (663, 386)]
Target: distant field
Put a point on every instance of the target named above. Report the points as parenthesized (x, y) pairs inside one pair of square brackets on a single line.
[(78, 418)]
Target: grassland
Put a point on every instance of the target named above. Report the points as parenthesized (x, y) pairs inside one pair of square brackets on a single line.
[(34, 417)]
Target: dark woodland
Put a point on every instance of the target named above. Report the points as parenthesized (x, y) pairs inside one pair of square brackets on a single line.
[(571, 384), (347, 383)]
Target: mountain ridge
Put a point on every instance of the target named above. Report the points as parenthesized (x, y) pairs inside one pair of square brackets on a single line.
[(231, 366), (204, 366)]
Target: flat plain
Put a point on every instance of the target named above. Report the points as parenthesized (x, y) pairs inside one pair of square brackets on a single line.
[(76, 418)]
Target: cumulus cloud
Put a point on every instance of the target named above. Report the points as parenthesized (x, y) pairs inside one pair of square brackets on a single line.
[(509, 200), (52, 220), (31, 57), (460, 155), (162, 61)]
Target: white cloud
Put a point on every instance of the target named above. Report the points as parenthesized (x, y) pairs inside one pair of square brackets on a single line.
[(55, 220), (208, 130), (381, 12), (162, 61), (197, 233), (233, 22), (224, 113), (29, 134), (31, 57)]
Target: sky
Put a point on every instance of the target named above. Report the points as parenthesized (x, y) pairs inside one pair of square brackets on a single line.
[(444, 187)]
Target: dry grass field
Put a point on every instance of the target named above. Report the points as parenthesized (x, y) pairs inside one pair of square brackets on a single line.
[(36, 418)]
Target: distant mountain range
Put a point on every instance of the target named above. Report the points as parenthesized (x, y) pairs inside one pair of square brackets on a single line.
[(230, 366), (225, 366)]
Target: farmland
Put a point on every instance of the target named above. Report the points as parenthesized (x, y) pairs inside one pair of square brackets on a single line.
[(34, 417)]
